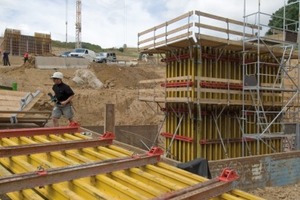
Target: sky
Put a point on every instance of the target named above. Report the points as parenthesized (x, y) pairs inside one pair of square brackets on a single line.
[(113, 23)]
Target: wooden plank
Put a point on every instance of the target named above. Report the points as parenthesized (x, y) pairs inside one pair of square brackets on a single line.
[(166, 23), (32, 119), (12, 93), (203, 78), (109, 124), (162, 80), (224, 30), (232, 21), (166, 34), (25, 112), (178, 37), (176, 30), (159, 80), (8, 108), (31, 104), (11, 102), (10, 98), (15, 104)]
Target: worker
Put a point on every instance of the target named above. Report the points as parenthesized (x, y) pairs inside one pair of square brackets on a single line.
[(26, 56), (6, 58), (63, 95)]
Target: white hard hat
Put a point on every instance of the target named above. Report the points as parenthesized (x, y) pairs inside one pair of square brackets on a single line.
[(57, 75)]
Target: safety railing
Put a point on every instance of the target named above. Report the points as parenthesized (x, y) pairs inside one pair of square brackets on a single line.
[(189, 26)]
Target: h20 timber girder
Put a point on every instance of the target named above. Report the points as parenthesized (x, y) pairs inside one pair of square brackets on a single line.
[(42, 177), (7, 151)]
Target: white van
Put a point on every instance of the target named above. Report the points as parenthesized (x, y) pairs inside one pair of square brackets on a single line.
[(83, 53)]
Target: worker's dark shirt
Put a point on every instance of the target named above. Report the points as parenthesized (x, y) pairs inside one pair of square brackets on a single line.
[(62, 91)]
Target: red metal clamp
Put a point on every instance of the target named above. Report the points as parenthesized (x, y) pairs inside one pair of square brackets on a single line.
[(74, 124), (108, 135), (228, 175), (155, 151), (41, 171)]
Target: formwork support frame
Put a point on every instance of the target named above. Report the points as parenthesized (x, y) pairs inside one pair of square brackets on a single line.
[(218, 87), (258, 88)]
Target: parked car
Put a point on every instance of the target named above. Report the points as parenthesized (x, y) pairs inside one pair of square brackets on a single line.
[(65, 54), (105, 57), (83, 53)]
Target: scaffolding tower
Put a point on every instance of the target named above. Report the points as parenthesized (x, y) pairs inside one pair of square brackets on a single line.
[(271, 80)]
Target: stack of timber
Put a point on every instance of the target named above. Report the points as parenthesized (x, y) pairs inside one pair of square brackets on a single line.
[(16, 107)]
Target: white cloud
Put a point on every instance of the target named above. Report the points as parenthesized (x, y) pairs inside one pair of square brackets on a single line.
[(112, 23)]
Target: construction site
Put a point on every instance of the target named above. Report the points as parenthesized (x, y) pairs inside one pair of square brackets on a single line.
[(213, 113)]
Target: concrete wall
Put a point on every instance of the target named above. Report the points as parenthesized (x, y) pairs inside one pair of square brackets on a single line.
[(260, 171), (133, 135), (43, 62)]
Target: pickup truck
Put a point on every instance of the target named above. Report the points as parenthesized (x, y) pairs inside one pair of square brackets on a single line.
[(105, 57)]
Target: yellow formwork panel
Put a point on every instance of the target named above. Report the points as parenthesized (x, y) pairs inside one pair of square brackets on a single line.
[(135, 183), (218, 64)]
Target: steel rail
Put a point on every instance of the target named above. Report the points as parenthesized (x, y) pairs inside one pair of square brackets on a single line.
[(38, 131), (8, 151), (45, 177), (205, 190)]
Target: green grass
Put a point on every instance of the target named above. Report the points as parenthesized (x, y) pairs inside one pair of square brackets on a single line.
[(71, 45)]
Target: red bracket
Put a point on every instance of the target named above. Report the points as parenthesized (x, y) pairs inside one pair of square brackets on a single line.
[(41, 172), (108, 135), (74, 124), (155, 151), (178, 137), (177, 84), (221, 85), (228, 175)]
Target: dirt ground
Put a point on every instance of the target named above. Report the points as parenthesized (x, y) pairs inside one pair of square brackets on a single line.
[(289, 192), (122, 90)]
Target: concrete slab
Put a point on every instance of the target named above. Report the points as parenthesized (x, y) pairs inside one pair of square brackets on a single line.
[(43, 62)]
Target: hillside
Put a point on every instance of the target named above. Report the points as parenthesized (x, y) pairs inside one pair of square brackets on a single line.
[(122, 53)]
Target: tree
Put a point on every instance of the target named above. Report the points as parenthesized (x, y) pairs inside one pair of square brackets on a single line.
[(291, 17)]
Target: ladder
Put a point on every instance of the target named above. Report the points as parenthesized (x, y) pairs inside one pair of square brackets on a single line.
[(285, 58), (262, 120)]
